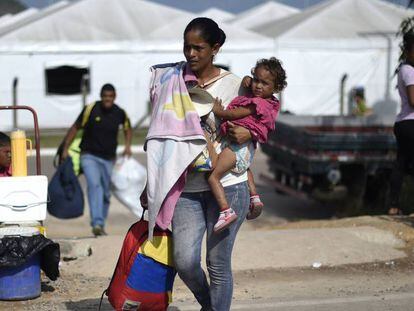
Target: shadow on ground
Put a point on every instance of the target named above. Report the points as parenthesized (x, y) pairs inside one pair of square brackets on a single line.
[(292, 209), (88, 304), (93, 304)]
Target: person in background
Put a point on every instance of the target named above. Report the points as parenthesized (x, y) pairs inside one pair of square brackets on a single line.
[(360, 108), (5, 155), (404, 124), (98, 152)]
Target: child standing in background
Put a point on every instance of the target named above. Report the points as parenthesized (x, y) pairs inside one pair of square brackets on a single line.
[(5, 155)]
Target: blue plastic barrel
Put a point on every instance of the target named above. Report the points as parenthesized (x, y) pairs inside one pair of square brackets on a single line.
[(21, 283)]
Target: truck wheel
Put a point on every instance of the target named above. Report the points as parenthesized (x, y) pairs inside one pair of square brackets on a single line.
[(376, 198), (354, 177)]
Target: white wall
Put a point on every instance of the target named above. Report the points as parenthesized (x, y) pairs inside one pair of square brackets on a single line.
[(129, 72), (314, 72)]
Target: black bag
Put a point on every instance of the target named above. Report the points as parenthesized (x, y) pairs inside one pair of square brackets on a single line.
[(16, 251), (65, 193)]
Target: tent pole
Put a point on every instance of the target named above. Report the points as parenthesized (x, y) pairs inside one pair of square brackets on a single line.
[(342, 94), (14, 96), (84, 89), (387, 35), (389, 53)]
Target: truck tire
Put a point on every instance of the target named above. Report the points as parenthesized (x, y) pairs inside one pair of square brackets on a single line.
[(354, 177), (376, 198)]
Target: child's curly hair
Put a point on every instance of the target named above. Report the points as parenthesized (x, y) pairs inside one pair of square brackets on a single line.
[(274, 66), (4, 140)]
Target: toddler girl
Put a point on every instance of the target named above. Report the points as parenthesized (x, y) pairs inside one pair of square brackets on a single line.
[(256, 112)]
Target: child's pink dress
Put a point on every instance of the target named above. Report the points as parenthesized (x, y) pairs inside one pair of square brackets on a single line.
[(259, 125)]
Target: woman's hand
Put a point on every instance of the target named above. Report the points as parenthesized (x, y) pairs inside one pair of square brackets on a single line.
[(144, 198), (218, 107), (247, 82), (238, 134)]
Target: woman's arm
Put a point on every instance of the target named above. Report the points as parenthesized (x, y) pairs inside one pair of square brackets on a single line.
[(239, 134), (232, 114), (410, 95)]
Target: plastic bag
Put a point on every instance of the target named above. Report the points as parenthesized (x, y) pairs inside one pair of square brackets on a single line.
[(128, 181), (15, 251)]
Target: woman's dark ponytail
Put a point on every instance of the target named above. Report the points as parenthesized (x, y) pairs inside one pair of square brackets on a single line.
[(222, 37), (406, 32), (208, 29)]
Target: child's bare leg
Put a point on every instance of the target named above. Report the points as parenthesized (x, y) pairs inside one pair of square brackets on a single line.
[(256, 204), (251, 183), (225, 162)]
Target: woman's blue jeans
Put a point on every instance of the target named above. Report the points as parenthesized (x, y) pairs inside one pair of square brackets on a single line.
[(195, 214), (98, 173)]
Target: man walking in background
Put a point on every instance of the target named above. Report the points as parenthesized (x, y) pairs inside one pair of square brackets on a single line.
[(98, 151)]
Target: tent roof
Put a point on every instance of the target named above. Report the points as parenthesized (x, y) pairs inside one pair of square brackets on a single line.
[(234, 35), (338, 19), (5, 21), (10, 7), (5, 18), (217, 14), (261, 14), (94, 21), (29, 18)]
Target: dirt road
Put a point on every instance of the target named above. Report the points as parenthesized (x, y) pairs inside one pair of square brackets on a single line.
[(293, 230)]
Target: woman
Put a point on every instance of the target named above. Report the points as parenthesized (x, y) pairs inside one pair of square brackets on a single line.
[(196, 211), (404, 125)]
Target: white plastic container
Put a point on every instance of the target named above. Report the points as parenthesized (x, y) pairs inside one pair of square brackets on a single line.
[(23, 199)]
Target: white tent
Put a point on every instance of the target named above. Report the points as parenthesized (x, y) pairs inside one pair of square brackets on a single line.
[(28, 16), (217, 15), (324, 42), (263, 13), (5, 18), (18, 17), (111, 41)]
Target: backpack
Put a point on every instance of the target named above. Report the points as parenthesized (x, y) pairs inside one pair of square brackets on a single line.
[(74, 148), (65, 193), (144, 275)]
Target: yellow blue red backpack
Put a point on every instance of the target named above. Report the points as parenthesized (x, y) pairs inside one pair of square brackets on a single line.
[(144, 275)]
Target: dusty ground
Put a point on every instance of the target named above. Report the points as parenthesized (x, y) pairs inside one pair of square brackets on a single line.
[(375, 286), (77, 292)]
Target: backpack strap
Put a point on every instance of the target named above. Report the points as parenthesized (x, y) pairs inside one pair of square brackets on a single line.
[(87, 114), (216, 78)]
